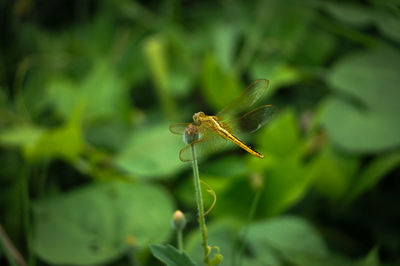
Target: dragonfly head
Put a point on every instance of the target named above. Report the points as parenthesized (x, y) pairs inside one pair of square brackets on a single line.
[(197, 117)]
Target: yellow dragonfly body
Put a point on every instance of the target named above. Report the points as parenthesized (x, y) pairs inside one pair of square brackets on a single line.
[(210, 130), (212, 122)]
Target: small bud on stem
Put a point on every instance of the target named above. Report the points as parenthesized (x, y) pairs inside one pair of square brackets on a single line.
[(191, 134), (178, 220)]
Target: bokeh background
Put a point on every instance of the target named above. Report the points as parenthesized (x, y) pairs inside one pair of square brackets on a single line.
[(90, 175)]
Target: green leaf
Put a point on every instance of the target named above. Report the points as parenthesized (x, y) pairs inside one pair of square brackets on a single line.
[(171, 256), (101, 95), (224, 40), (20, 136), (359, 16), (281, 137), (353, 14), (373, 173), (367, 121), (291, 238), (286, 176), (333, 172), (277, 72), (104, 95), (152, 151), (388, 24), (219, 87), (371, 77), (228, 166), (62, 142), (372, 259), (98, 223), (154, 49), (286, 182), (318, 48)]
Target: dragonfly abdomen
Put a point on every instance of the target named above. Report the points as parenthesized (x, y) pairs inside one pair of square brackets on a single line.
[(226, 134)]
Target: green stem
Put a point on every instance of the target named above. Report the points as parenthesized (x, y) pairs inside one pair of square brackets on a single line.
[(26, 213), (13, 256), (250, 217), (200, 206), (132, 257), (179, 239)]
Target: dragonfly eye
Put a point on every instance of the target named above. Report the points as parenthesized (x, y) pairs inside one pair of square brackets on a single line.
[(196, 117)]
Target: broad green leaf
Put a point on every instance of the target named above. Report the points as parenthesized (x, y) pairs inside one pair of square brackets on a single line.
[(154, 50), (101, 95), (171, 256), (373, 173), (277, 72), (224, 40), (98, 223), (228, 166), (63, 95), (130, 64), (286, 182), (286, 177), (388, 24), (281, 137), (293, 239), (152, 152), (359, 131), (62, 142), (219, 87), (333, 172), (20, 136), (316, 50), (110, 134), (371, 259), (182, 62), (371, 77), (284, 33), (367, 121), (350, 13), (101, 28), (360, 16)]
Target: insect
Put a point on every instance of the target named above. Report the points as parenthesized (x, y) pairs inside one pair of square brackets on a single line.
[(211, 130)]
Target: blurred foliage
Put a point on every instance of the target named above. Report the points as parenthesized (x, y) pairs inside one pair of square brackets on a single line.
[(90, 175)]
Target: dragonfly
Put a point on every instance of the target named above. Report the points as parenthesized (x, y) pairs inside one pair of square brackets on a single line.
[(225, 127)]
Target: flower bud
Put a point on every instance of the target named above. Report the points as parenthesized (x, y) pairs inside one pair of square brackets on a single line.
[(178, 220), (256, 181), (130, 240), (191, 134)]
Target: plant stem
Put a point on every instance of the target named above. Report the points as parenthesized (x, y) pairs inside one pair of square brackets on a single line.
[(179, 239), (250, 217), (200, 206), (26, 213), (13, 256)]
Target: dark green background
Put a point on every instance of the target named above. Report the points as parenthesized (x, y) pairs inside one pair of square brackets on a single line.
[(89, 173)]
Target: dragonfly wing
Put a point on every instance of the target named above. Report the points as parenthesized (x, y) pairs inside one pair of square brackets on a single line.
[(254, 120), (247, 99), (179, 128), (209, 143)]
